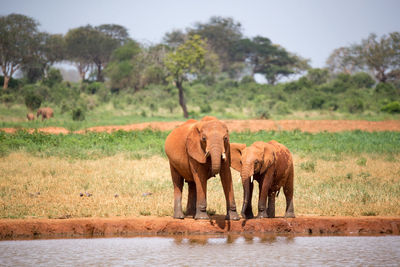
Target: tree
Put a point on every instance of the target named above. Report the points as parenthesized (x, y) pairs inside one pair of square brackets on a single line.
[(345, 60), (189, 59), (45, 51), (92, 46), (223, 35), (124, 66), (381, 56), (78, 46), (18, 37), (271, 60), (174, 38)]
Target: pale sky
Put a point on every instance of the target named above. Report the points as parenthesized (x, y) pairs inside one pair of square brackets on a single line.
[(309, 28)]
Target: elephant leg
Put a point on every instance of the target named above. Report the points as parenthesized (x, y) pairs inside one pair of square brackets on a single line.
[(271, 205), (177, 180), (288, 191), (264, 186), (227, 184), (200, 176), (191, 204)]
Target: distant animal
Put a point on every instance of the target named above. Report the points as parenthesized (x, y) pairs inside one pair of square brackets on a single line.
[(30, 116), (271, 165), (197, 151), (46, 113)]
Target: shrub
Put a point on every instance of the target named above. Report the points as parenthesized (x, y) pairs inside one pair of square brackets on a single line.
[(318, 76), (262, 112), (281, 108), (308, 166), (392, 107), (247, 79), (317, 101), (205, 108), (33, 101), (354, 105), (53, 77), (78, 114), (362, 80)]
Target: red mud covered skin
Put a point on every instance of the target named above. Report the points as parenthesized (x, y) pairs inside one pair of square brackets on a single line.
[(112, 227), (311, 126)]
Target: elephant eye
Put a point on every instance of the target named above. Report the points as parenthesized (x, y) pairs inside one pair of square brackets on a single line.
[(203, 139), (226, 138)]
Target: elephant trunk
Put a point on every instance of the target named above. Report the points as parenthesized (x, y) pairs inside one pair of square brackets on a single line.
[(216, 154), (247, 179), (246, 194)]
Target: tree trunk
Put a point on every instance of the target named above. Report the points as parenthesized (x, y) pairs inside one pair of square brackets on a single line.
[(182, 101), (99, 73), (6, 80)]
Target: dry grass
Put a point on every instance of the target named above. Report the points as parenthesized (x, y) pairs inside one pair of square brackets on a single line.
[(50, 187)]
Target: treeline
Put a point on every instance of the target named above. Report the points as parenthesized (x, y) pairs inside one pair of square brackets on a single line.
[(209, 63)]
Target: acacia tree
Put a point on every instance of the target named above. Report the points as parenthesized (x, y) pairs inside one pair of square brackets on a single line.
[(223, 35), (18, 37), (382, 55), (189, 59), (271, 60), (92, 46)]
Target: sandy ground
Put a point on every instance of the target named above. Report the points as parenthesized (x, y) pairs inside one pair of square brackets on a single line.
[(249, 125), (112, 227)]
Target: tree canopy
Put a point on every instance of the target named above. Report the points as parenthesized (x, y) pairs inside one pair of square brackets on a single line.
[(19, 40)]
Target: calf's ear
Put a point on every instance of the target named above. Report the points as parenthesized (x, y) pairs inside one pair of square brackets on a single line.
[(193, 146), (236, 155)]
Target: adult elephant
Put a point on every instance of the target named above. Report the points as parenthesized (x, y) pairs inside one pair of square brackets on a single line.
[(271, 165), (197, 151), (46, 113)]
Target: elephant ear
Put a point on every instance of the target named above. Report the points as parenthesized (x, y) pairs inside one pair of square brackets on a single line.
[(193, 145), (236, 155), (269, 157)]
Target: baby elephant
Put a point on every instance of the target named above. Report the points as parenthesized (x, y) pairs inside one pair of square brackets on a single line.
[(271, 165), (30, 116), (46, 113)]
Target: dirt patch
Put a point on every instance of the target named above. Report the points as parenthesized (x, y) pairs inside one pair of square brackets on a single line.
[(246, 125), (111, 227)]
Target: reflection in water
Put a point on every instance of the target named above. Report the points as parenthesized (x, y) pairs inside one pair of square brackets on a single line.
[(255, 250)]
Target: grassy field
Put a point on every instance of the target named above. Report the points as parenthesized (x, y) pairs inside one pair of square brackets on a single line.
[(42, 176)]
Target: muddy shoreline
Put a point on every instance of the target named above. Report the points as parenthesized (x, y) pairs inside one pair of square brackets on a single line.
[(11, 229)]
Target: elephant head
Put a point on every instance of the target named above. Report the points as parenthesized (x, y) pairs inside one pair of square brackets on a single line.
[(255, 159), (209, 138)]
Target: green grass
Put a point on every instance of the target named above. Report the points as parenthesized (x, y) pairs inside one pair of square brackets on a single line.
[(138, 144)]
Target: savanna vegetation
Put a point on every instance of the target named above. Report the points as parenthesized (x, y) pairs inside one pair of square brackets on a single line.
[(208, 69), (127, 174)]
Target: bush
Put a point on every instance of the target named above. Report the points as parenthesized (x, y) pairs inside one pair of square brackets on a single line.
[(32, 101), (354, 105), (205, 108), (53, 77), (318, 76), (385, 88), (262, 112), (282, 108), (78, 114), (362, 80), (393, 107)]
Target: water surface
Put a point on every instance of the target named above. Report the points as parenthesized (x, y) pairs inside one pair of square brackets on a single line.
[(228, 250)]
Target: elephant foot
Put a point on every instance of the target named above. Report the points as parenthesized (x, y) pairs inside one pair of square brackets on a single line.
[(290, 215), (248, 215), (232, 215), (178, 215), (190, 214), (201, 215), (262, 214)]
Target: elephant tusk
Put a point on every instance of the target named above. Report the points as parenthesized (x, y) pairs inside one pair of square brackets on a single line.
[(239, 179), (251, 179), (223, 156), (207, 153)]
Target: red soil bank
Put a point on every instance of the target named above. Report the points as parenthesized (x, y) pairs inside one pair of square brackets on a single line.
[(111, 227)]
